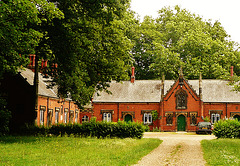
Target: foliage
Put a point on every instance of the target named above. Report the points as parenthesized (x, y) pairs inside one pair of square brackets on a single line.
[(5, 116), (73, 151), (156, 129), (221, 151), (227, 129), (20, 32), (93, 129), (179, 38), (90, 45), (87, 43), (206, 119), (154, 115)]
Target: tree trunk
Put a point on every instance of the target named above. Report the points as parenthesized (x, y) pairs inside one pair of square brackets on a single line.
[(35, 86)]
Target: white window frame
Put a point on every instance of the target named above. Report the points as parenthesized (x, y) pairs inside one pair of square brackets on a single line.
[(85, 118), (56, 117), (147, 118), (107, 116), (65, 117), (41, 117), (215, 117), (76, 117)]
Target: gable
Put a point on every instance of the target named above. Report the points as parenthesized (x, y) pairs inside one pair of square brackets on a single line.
[(184, 86)]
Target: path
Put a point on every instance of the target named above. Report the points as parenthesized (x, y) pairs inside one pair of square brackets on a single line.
[(181, 149)]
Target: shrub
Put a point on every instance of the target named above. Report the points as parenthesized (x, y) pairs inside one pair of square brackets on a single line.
[(227, 129), (5, 116), (93, 129), (206, 119), (156, 129), (154, 115)]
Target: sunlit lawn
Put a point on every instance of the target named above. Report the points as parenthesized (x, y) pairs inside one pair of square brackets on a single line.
[(222, 151), (73, 151)]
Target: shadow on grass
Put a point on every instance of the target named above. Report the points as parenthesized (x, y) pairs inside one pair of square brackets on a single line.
[(18, 139)]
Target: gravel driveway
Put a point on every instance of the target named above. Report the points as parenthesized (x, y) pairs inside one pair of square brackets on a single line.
[(181, 149)]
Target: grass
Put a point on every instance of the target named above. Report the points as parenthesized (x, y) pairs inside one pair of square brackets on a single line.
[(73, 151), (222, 151)]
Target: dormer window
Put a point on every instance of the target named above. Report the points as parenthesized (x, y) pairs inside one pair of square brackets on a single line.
[(181, 99)]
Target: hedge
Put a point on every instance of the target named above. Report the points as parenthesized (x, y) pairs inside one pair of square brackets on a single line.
[(227, 129), (92, 129)]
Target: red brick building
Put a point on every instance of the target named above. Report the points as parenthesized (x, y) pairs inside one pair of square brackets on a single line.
[(180, 104)]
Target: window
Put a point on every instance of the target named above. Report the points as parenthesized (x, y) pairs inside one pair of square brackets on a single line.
[(169, 118), (65, 116), (56, 117), (71, 114), (193, 118), (41, 116), (76, 116), (147, 118), (181, 99), (215, 117), (107, 116), (85, 118)]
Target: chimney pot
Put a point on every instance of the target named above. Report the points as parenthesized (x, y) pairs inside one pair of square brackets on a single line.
[(133, 75)]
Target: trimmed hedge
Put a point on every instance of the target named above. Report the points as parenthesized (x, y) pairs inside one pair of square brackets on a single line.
[(227, 129), (92, 129)]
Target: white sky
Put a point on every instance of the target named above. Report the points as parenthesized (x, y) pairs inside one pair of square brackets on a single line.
[(226, 11)]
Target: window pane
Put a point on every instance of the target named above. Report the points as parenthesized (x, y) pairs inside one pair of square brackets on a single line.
[(56, 117), (41, 117), (217, 117), (150, 118)]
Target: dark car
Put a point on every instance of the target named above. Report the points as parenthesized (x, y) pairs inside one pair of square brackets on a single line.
[(204, 127)]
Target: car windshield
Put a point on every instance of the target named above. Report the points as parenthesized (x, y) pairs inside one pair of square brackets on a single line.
[(202, 124)]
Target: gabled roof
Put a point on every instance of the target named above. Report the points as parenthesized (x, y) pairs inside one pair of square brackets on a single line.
[(28, 75), (150, 91)]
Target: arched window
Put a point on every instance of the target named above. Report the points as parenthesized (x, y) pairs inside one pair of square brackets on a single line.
[(181, 99), (85, 119)]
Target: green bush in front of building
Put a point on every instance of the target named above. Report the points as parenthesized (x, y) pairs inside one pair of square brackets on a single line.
[(93, 128), (227, 129)]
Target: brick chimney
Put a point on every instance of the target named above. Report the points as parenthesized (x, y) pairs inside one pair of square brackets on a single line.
[(133, 75)]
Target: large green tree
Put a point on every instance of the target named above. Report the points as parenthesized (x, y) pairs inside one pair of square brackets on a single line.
[(185, 39), (86, 42), (20, 32), (90, 46)]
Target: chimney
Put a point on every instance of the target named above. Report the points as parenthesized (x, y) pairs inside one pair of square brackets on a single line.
[(200, 86), (133, 75), (162, 87), (231, 71)]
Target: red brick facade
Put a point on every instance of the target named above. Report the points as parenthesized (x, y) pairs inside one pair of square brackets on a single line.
[(190, 107)]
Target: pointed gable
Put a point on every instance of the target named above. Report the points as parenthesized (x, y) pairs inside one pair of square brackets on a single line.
[(183, 84)]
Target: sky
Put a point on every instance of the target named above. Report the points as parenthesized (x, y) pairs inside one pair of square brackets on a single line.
[(227, 12)]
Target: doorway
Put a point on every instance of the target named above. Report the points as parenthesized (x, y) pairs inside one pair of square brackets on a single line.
[(128, 118), (181, 123)]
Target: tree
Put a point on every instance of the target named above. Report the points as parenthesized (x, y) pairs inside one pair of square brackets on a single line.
[(90, 47), (19, 30), (189, 41), (85, 50)]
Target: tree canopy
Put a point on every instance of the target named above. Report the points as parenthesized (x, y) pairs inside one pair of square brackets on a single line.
[(90, 45), (178, 38), (20, 31), (87, 43)]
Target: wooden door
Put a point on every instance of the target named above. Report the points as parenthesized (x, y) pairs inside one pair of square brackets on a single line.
[(181, 123)]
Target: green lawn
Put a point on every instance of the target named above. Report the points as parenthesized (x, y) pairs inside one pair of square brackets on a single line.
[(222, 151), (73, 151)]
